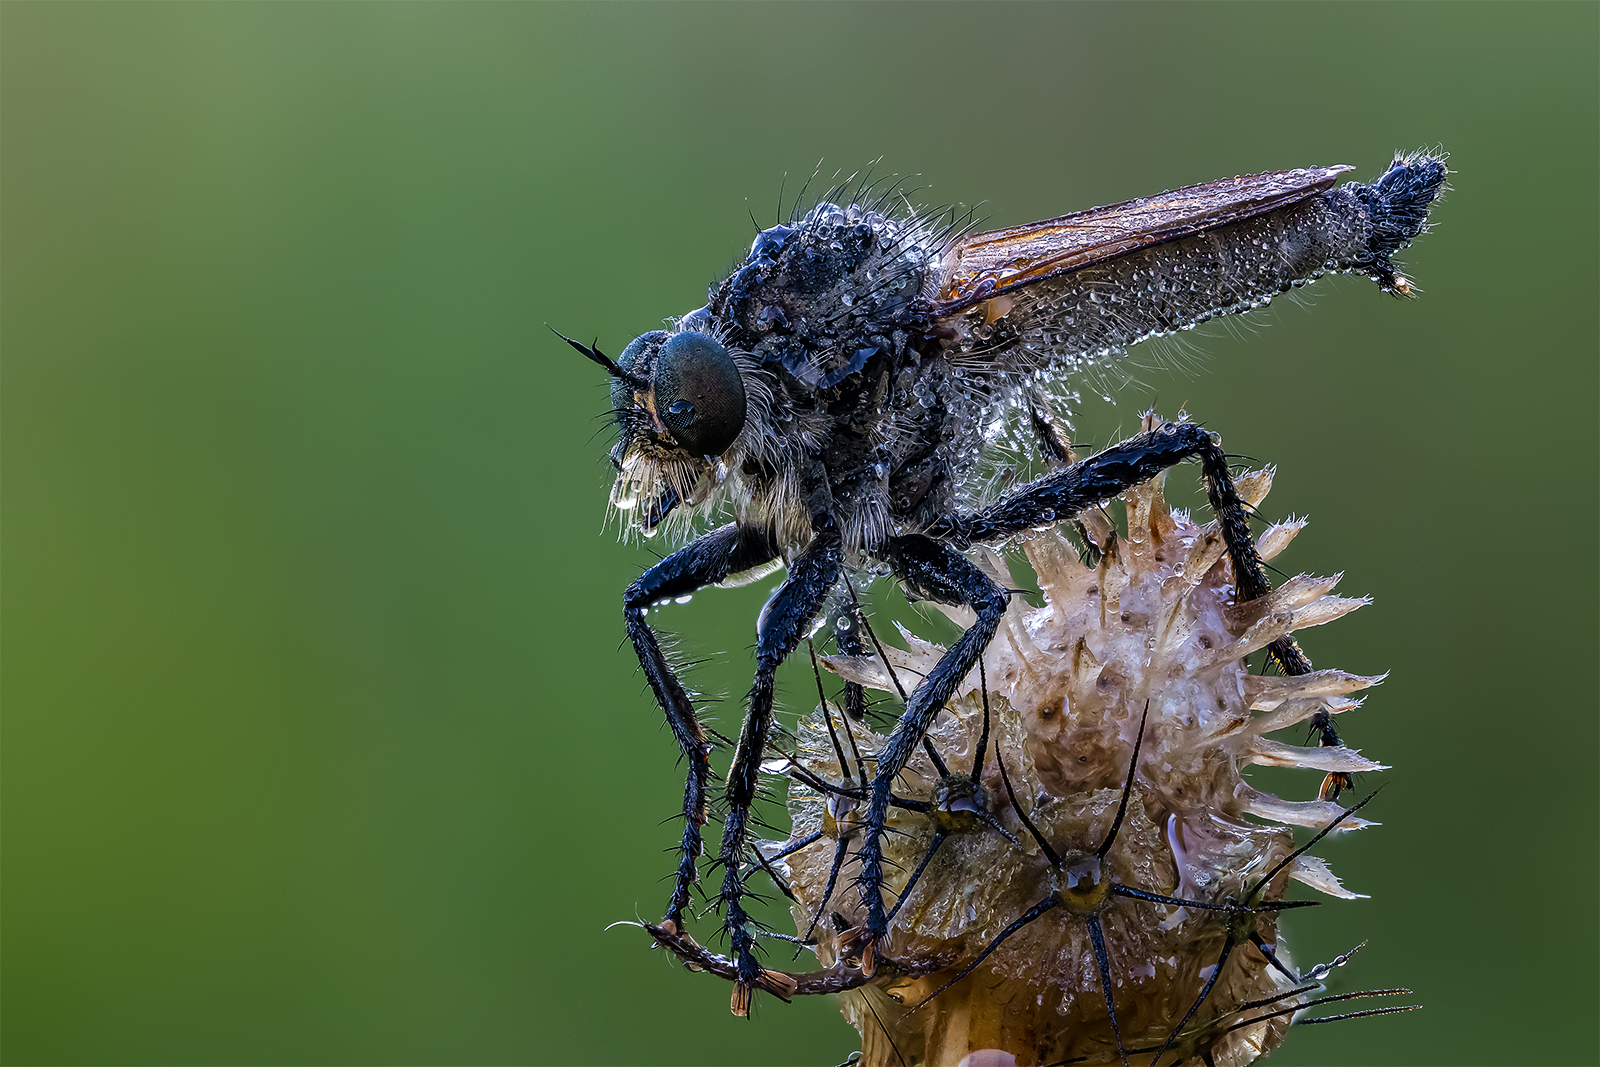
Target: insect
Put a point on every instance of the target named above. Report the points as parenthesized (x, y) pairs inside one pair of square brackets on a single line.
[(836, 396)]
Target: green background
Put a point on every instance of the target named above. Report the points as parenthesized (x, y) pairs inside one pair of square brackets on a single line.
[(319, 746)]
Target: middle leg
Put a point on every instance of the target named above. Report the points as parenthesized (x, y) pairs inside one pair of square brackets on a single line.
[(784, 622)]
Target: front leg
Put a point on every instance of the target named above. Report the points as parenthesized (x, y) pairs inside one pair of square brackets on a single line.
[(716, 556), (1064, 494), (933, 572), (784, 622)]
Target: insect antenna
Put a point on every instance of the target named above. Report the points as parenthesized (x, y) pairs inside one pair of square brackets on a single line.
[(593, 353)]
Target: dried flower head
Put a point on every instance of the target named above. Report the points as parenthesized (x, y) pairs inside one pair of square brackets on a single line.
[(1045, 733)]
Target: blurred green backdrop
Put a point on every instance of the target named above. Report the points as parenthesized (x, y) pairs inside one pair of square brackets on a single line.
[(319, 746)]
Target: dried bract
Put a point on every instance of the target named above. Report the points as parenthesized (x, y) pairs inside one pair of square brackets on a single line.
[(1155, 624)]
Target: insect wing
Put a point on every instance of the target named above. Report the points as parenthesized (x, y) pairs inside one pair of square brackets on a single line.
[(986, 265)]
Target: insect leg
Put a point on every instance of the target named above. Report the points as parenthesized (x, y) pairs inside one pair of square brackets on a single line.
[(847, 635), (719, 554), (1063, 494), (932, 572), (784, 623)]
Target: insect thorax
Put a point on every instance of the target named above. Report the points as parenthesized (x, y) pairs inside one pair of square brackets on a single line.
[(854, 408)]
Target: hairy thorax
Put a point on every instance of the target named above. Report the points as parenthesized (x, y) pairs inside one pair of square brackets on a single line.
[(855, 409)]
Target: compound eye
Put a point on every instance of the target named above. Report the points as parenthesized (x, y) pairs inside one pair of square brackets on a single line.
[(699, 394), (621, 391)]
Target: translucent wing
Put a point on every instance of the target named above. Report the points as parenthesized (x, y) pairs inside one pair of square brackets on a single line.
[(986, 265), (1076, 292)]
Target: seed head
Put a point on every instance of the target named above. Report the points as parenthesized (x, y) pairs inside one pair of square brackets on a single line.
[(1150, 631)]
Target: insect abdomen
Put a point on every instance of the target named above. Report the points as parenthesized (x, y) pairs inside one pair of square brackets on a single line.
[(1093, 313)]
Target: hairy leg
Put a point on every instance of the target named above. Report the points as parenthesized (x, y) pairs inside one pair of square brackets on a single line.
[(933, 572), (711, 559), (784, 623)]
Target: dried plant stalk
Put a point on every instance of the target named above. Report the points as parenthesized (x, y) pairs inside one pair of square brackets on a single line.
[(1153, 623)]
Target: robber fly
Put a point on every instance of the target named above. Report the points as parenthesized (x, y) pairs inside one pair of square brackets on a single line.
[(836, 393)]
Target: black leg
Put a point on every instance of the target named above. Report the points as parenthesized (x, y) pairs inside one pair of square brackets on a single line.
[(933, 572), (842, 801), (847, 635), (784, 623), (1063, 494), (976, 779), (714, 557)]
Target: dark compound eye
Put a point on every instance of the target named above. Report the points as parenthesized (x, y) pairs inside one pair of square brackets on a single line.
[(621, 391), (699, 394)]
